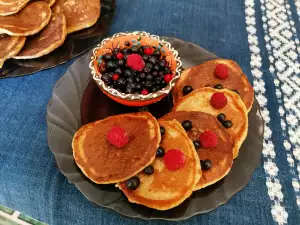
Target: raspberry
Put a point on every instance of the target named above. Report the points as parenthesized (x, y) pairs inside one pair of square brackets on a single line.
[(208, 139), (115, 77), (218, 100), (120, 55), (117, 137), (168, 78), (135, 62), (144, 92), (174, 159), (148, 51), (221, 71)]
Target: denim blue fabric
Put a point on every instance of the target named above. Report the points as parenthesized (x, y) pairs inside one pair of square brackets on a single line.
[(29, 179)]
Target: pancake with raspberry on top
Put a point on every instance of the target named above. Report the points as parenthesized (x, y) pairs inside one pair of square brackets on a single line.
[(212, 142), (225, 105), (220, 73), (116, 148), (173, 175)]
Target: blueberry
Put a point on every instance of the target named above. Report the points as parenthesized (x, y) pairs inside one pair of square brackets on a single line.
[(121, 82), (156, 67), (127, 43), (197, 144), (227, 123), (138, 87), (128, 90), (167, 70), (149, 170), (157, 81), (147, 69), (162, 131), (154, 73), (149, 77), (160, 152), (236, 91), (155, 89), (142, 76), (150, 65), (130, 80), (111, 64), (126, 51), (127, 73), (133, 73), (152, 60), (135, 49), (121, 62), (187, 89), (221, 117), (133, 183), (137, 79), (206, 164), (118, 71), (161, 74), (163, 84), (110, 74), (218, 86), (106, 78), (145, 57), (116, 51), (162, 63), (107, 57), (148, 85), (187, 124), (156, 53)]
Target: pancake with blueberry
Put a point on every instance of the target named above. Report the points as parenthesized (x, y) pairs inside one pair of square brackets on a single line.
[(212, 142), (220, 73), (225, 105), (173, 175), (116, 148)]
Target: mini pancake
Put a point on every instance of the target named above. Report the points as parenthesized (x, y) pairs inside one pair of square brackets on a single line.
[(9, 47), (31, 20), (50, 2), (80, 14), (10, 7), (204, 75), (104, 163), (165, 189), (235, 110), (221, 156), (47, 40)]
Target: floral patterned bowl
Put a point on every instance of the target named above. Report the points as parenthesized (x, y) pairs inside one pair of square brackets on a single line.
[(138, 38)]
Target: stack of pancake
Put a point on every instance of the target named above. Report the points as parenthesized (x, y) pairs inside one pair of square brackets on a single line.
[(31, 29), (159, 164)]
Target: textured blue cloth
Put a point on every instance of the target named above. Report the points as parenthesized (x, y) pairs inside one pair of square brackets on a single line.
[(261, 35)]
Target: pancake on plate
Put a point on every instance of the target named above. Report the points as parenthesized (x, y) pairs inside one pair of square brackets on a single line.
[(220, 155), (173, 175), (116, 148), (10, 7), (80, 14), (225, 102), (50, 2), (10, 46), (47, 40), (31, 20), (224, 72)]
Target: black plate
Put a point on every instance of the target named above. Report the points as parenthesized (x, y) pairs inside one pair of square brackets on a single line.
[(75, 44), (64, 117)]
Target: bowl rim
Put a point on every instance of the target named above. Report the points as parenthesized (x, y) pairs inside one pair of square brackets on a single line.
[(136, 97)]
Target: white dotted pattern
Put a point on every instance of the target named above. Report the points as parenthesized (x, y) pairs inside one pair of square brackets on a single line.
[(285, 66), (273, 184)]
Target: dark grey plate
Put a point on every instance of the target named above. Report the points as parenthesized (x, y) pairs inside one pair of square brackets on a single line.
[(64, 118), (75, 44)]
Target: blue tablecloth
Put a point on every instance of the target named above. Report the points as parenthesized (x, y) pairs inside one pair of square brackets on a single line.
[(261, 35)]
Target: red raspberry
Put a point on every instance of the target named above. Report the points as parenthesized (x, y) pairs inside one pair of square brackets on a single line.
[(148, 51), (221, 71), (120, 55), (115, 77), (117, 137), (218, 100), (174, 159), (144, 92), (208, 139), (135, 62), (168, 78)]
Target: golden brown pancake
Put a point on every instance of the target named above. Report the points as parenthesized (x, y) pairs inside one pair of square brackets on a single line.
[(165, 189), (80, 14), (10, 46), (10, 7), (102, 162), (204, 75), (47, 40), (221, 156), (31, 20), (50, 2), (235, 110)]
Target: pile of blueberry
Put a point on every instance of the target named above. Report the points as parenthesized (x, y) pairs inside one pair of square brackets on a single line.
[(135, 69)]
